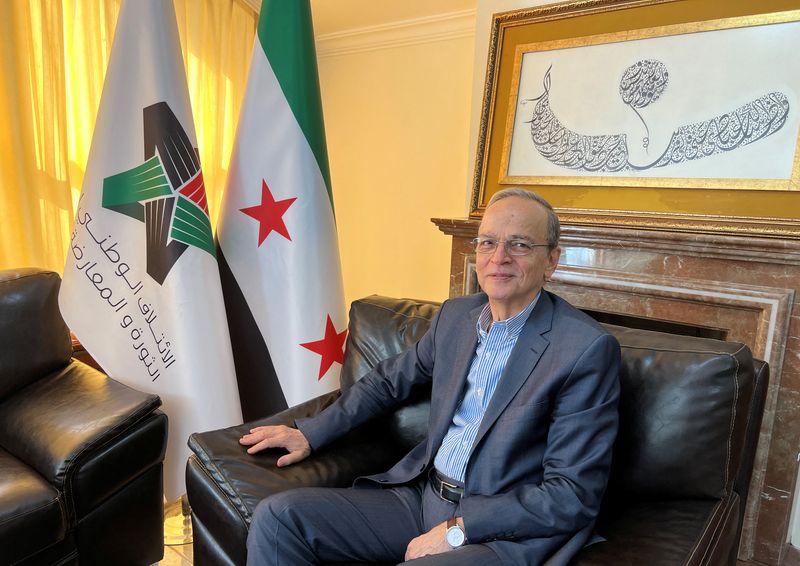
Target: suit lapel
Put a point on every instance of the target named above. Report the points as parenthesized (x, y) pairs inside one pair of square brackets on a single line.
[(526, 353), (443, 405)]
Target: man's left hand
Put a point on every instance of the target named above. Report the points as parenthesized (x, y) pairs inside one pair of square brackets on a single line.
[(432, 542)]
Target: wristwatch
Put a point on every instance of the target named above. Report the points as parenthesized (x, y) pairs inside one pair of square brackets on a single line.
[(454, 536)]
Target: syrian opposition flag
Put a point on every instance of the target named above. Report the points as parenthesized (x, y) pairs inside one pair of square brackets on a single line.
[(141, 287), (279, 257)]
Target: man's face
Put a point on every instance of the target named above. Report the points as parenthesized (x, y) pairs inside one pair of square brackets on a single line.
[(511, 282)]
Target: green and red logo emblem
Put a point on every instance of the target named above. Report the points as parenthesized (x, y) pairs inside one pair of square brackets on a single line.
[(166, 193)]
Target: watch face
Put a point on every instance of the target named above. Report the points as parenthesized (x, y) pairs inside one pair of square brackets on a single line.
[(454, 536)]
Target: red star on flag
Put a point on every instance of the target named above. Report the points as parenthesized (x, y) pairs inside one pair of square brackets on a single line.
[(331, 348), (269, 214)]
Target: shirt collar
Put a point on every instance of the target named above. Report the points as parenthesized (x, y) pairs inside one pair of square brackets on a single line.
[(513, 326)]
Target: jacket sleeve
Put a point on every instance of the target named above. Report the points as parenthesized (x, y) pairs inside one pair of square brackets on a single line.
[(577, 459), (390, 383)]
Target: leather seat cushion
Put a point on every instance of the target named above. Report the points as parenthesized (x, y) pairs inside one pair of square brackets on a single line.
[(651, 532), (31, 516)]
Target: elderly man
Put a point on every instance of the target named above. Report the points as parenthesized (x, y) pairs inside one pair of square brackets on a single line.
[(523, 419)]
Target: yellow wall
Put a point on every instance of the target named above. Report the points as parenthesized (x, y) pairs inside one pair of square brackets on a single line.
[(397, 122)]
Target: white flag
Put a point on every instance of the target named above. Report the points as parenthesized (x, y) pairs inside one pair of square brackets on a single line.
[(141, 288), (279, 256)]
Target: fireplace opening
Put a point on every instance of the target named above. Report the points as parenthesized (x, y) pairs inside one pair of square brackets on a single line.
[(670, 327)]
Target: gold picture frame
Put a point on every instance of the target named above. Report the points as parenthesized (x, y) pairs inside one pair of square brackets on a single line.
[(721, 203)]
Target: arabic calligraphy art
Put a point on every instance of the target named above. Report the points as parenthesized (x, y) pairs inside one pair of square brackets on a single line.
[(99, 261), (641, 85)]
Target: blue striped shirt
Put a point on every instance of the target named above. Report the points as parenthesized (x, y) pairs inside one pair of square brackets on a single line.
[(495, 342)]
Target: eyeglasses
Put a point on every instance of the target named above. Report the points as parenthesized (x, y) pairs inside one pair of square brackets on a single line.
[(511, 247)]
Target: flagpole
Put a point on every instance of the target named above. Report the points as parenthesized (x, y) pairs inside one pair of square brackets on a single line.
[(177, 522)]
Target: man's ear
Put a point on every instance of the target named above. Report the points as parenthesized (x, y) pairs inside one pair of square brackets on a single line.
[(552, 262)]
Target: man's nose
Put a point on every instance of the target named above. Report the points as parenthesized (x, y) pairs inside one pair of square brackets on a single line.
[(500, 253)]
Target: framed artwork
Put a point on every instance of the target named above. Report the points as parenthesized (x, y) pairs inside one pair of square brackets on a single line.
[(680, 114)]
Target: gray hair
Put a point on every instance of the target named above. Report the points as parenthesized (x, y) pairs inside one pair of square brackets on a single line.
[(553, 225)]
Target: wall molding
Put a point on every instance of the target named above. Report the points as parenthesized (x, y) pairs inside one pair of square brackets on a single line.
[(402, 33)]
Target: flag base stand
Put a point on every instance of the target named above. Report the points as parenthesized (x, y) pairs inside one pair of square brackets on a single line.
[(178, 522)]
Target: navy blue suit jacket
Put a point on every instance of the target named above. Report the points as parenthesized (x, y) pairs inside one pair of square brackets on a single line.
[(540, 463)]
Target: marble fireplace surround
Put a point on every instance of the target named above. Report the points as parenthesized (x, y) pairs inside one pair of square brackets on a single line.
[(739, 287)]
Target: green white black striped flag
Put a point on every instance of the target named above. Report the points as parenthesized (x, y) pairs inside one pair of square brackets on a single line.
[(279, 257)]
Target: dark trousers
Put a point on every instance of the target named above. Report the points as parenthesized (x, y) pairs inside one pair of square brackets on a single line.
[(319, 525)]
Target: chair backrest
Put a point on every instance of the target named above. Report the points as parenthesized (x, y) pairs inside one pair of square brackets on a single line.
[(34, 340), (684, 411), (688, 423), (381, 327)]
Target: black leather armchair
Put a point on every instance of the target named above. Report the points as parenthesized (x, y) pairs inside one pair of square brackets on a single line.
[(80, 454), (690, 412)]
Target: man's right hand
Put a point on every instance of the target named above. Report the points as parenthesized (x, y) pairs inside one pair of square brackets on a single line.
[(290, 439)]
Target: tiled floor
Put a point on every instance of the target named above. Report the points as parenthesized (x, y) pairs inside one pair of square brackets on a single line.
[(177, 529), (177, 556)]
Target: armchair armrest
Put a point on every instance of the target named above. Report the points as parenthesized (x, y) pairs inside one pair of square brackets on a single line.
[(67, 418), (245, 479)]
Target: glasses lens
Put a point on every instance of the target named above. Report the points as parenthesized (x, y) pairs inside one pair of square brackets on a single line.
[(512, 247), (519, 247), (484, 245)]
